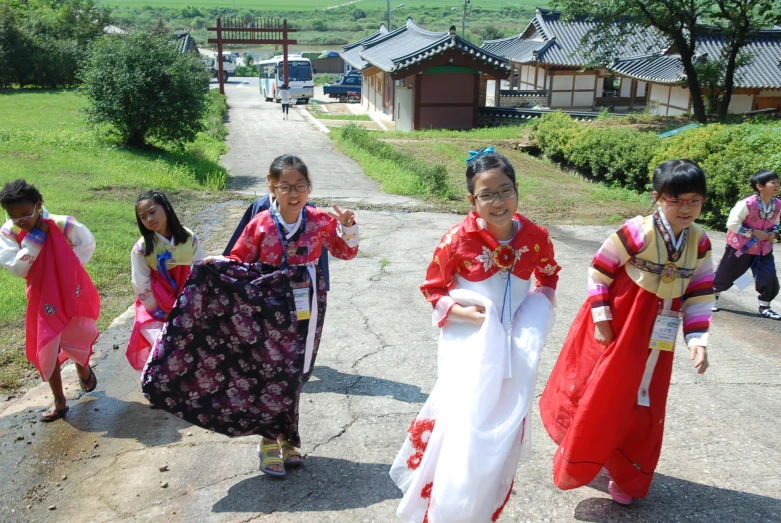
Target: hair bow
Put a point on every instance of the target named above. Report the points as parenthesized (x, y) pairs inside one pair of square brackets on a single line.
[(475, 154)]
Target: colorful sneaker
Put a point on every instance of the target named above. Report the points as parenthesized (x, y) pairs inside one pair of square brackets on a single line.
[(618, 495), (767, 312)]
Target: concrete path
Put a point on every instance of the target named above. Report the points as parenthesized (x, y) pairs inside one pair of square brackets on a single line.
[(114, 459), (257, 135)]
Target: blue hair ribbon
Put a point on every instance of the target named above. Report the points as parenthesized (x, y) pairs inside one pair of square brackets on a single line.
[(475, 154)]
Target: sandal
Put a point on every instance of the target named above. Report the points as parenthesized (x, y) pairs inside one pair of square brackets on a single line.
[(92, 379), (290, 455), (618, 495), (58, 413), (269, 455)]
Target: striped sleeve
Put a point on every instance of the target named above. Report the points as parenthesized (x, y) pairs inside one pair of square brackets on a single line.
[(18, 257), (697, 301), (614, 253)]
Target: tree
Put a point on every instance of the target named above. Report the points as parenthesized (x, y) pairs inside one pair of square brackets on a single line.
[(144, 88), (680, 23)]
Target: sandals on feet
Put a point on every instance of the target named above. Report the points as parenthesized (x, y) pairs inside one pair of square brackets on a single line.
[(92, 379), (290, 455), (58, 413), (269, 455)]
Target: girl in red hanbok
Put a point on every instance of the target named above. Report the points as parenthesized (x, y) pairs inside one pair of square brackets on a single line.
[(460, 456), (604, 404), (160, 264), (49, 251)]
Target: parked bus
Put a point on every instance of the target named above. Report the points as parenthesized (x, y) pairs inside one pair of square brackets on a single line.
[(301, 85)]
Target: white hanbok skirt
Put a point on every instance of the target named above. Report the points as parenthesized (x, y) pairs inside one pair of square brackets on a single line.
[(459, 460)]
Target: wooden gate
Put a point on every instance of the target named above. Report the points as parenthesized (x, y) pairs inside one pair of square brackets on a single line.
[(250, 30)]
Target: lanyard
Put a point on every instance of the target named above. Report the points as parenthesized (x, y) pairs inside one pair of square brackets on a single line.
[(659, 259), (508, 289), (275, 215)]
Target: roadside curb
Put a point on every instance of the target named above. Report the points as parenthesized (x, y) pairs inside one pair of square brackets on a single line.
[(314, 120)]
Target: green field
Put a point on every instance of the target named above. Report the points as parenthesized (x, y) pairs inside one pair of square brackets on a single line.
[(305, 5), (97, 181)]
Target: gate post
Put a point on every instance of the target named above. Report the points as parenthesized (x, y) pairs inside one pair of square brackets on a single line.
[(219, 56), (284, 52)]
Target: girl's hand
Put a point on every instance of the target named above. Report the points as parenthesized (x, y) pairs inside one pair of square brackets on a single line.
[(43, 226), (700, 358), (346, 218), (474, 314), (761, 235), (603, 333), (209, 259)]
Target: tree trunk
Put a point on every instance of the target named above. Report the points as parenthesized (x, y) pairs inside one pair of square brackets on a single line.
[(687, 58), (729, 81)]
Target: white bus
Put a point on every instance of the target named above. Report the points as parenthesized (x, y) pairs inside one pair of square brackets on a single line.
[(302, 86)]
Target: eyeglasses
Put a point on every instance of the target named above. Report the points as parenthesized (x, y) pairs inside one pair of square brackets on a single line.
[(299, 187), (489, 196), (25, 218), (678, 202)]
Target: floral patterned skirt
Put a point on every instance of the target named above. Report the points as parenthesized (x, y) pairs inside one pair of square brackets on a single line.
[(231, 357)]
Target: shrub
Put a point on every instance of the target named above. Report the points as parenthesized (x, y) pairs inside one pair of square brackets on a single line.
[(555, 133), (144, 88)]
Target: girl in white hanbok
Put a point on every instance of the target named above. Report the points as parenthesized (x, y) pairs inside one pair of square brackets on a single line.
[(462, 450)]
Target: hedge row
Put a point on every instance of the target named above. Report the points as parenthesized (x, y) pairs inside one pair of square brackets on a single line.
[(729, 154)]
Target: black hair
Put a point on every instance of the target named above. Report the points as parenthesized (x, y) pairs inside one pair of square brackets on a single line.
[(485, 161), (287, 161), (19, 191), (761, 177), (178, 231), (676, 177)]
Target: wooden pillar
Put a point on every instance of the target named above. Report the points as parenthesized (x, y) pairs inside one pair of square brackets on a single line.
[(632, 94), (416, 107), (476, 101), (219, 56), (284, 54), (497, 92), (536, 72)]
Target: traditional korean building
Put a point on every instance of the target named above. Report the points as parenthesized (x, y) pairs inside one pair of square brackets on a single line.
[(545, 57), (423, 79), (757, 83)]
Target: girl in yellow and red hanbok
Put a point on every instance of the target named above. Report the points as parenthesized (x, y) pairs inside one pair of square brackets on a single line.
[(604, 404), (460, 456), (160, 264)]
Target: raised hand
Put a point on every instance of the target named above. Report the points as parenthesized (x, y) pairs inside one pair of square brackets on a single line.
[(346, 217)]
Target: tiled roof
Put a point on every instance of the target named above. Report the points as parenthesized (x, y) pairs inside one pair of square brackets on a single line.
[(184, 42), (514, 48), (762, 71), (351, 53), (409, 45), (561, 41)]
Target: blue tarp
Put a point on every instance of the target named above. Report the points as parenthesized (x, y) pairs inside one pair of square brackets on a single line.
[(329, 54), (673, 132)]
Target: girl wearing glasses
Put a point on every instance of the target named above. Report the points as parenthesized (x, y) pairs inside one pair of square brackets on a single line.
[(462, 450), (604, 404), (752, 227), (244, 336), (160, 263), (49, 251)]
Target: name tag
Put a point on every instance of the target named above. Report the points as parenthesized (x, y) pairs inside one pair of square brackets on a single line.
[(301, 297), (665, 330), (744, 281)]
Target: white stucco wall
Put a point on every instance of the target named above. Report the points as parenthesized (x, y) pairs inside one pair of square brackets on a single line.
[(741, 103), (562, 82), (679, 97), (562, 99), (641, 88), (583, 99), (584, 81)]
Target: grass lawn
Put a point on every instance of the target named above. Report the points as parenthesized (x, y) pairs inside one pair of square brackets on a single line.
[(97, 181), (347, 117), (548, 194)]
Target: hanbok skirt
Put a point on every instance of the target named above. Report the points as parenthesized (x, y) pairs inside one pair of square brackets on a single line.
[(231, 357), (590, 404), (462, 451)]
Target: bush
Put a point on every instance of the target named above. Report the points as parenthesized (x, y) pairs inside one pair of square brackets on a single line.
[(729, 154), (556, 133), (144, 88)]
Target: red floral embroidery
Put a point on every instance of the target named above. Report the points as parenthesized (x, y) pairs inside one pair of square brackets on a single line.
[(413, 462), (420, 432), (504, 256), (498, 512), (426, 492)]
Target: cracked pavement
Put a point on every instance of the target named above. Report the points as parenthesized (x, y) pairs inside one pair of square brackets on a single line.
[(375, 367)]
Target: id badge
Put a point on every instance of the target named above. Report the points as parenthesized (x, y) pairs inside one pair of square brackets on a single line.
[(301, 297), (665, 331), (744, 281)]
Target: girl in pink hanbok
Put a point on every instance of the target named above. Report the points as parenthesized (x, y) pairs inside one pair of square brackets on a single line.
[(49, 251), (160, 262), (462, 450)]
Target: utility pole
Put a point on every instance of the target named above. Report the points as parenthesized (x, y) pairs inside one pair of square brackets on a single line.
[(463, 19), (389, 15)]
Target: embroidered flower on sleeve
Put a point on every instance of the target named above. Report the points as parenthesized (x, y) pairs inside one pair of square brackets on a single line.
[(548, 270)]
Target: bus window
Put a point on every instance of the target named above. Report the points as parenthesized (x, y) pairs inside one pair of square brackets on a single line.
[(299, 71)]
